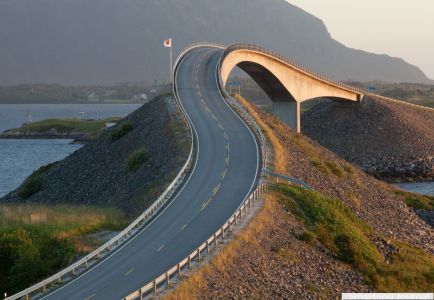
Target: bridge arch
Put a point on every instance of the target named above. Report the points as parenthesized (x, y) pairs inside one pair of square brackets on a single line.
[(286, 83)]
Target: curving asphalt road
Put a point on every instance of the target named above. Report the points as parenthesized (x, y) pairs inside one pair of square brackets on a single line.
[(225, 171)]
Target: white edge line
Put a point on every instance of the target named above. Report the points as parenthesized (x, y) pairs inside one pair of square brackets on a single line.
[(248, 128), (153, 219)]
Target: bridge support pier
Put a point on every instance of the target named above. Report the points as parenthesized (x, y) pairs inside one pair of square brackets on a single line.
[(289, 112)]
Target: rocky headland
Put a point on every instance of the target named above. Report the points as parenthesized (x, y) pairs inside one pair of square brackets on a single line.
[(389, 140), (101, 173), (80, 130)]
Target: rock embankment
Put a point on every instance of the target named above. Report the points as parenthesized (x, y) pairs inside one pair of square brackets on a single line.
[(388, 140), (273, 259), (98, 173)]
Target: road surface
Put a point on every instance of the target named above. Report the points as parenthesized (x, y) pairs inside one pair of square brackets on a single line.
[(224, 173)]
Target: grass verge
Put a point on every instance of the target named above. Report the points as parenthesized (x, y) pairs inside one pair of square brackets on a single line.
[(417, 201), (37, 240), (348, 239)]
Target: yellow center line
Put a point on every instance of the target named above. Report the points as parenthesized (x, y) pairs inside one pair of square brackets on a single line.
[(90, 297), (132, 269), (205, 204), (216, 189), (224, 173), (183, 227), (227, 147), (225, 135), (161, 247)]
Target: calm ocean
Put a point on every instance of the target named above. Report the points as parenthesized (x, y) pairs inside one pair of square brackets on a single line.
[(19, 158)]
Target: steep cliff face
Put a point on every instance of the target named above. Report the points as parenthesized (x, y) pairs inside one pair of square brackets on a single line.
[(104, 41)]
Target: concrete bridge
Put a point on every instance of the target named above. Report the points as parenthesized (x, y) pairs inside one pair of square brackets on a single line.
[(286, 83)]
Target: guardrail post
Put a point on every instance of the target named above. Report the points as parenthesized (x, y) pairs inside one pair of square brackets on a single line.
[(167, 278), (26, 297), (198, 253), (179, 270), (207, 247), (60, 279), (73, 271), (215, 239), (141, 294), (86, 264), (189, 262), (223, 233), (155, 286)]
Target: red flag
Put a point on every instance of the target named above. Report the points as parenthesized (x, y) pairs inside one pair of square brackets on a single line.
[(168, 43)]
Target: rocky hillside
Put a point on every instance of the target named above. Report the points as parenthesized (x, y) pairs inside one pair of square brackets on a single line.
[(386, 139), (126, 167), (106, 41), (352, 234)]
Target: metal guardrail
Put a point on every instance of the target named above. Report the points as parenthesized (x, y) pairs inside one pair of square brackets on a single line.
[(152, 286), (311, 73), (134, 227), (106, 248), (290, 180), (220, 233)]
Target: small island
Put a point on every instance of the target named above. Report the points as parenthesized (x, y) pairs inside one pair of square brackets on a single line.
[(77, 129)]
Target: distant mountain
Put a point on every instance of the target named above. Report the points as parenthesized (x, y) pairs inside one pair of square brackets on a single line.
[(106, 41)]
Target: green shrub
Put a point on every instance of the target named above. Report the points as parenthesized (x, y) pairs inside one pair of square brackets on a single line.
[(136, 159), (417, 201), (32, 185), (36, 240), (349, 239), (308, 237), (120, 131), (34, 182)]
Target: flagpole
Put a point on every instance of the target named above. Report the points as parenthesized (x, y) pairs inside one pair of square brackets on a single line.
[(170, 69)]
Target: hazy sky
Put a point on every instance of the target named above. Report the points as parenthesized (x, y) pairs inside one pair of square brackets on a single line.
[(402, 28)]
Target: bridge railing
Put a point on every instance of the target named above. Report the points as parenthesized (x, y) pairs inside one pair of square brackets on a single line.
[(314, 74), (91, 258), (175, 271), (292, 64)]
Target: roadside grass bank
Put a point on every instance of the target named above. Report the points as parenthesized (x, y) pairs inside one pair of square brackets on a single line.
[(405, 269), (353, 234), (36, 240), (297, 235), (66, 209), (417, 201)]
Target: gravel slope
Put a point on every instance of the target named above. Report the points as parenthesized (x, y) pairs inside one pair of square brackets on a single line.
[(386, 139), (97, 174)]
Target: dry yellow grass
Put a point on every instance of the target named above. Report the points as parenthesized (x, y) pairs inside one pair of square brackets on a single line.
[(280, 153), (190, 288)]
